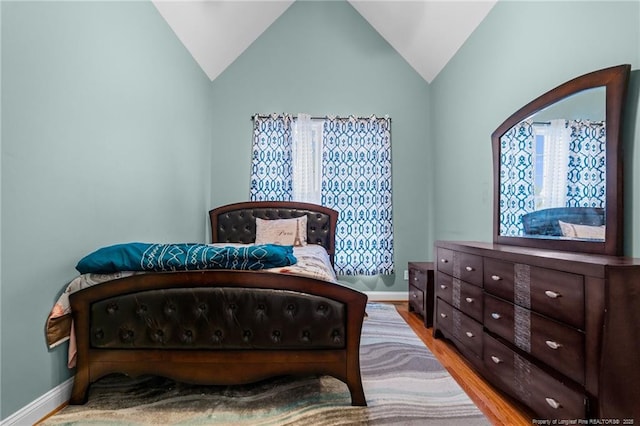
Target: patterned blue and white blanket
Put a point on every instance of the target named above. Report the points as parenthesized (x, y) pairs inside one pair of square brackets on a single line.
[(184, 257)]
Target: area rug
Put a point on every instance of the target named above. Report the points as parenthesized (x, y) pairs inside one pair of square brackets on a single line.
[(403, 382)]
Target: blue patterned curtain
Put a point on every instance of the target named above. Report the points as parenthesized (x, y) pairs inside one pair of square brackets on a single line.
[(271, 158), (586, 186), (356, 169), (357, 182), (516, 178)]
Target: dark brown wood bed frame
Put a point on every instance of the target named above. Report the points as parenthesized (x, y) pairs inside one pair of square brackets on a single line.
[(234, 364)]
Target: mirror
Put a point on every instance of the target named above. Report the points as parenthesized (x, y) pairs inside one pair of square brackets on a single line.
[(558, 167)]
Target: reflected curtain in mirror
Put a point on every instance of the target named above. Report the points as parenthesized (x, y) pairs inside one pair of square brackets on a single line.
[(516, 177), (587, 165), (552, 139), (560, 163)]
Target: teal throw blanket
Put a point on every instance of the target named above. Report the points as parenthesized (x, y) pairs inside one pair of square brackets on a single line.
[(184, 257)]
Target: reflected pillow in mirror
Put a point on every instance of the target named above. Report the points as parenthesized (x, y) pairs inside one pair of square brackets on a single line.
[(285, 232), (573, 230)]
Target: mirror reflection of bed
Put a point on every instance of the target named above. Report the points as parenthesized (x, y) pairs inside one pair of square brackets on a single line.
[(565, 222)]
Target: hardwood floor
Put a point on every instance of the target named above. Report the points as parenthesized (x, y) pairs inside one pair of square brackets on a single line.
[(499, 409)]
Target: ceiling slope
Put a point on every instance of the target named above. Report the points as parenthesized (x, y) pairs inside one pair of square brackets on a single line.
[(426, 33), (216, 32)]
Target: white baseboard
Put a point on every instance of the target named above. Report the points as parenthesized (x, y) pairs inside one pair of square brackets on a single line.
[(41, 407), (59, 395), (387, 296)]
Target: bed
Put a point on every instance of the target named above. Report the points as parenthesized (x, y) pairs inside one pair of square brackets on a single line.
[(222, 326)]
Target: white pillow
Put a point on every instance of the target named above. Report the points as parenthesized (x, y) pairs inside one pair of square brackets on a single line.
[(284, 232), (582, 231)]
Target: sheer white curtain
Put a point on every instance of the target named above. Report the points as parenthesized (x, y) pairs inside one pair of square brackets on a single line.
[(307, 159), (557, 137)]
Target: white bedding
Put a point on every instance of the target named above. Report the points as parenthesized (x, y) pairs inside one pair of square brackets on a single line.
[(312, 261)]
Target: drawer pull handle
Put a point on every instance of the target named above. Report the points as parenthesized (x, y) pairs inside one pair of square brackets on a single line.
[(443, 315), (444, 261), (469, 268), (496, 315), (469, 299), (496, 277), (553, 403), (495, 359), (552, 294), (552, 344), (414, 295), (469, 334), (442, 286)]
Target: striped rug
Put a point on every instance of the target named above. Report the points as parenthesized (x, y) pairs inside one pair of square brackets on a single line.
[(403, 382)]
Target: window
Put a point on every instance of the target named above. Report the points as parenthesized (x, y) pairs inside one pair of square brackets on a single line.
[(349, 161), (307, 159)]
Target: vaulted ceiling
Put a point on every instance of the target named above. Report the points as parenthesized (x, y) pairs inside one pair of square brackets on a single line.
[(426, 33)]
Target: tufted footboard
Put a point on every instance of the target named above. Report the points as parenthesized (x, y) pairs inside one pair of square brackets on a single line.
[(218, 327)]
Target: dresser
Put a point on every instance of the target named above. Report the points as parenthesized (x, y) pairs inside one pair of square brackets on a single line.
[(557, 331), (421, 290)]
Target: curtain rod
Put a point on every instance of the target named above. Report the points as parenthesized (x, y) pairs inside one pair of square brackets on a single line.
[(320, 118), (293, 116), (548, 123)]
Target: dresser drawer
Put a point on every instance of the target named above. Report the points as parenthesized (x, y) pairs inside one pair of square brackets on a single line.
[(498, 278), (444, 261), (559, 295), (548, 397), (463, 328), (444, 287), (444, 315), (418, 277), (469, 299), (467, 267), (421, 290), (466, 297), (416, 300), (559, 346)]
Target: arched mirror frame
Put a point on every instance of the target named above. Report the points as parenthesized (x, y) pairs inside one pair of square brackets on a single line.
[(615, 80)]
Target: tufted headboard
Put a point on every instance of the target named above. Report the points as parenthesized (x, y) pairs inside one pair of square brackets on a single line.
[(236, 223)]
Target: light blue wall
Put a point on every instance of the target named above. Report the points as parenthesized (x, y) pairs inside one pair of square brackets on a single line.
[(105, 138), (106, 132), (520, 51), (324, 58)]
